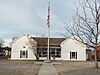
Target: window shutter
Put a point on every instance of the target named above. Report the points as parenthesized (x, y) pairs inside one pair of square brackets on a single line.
[(26, 54), (70, 54), (21, 54), (76, 55)]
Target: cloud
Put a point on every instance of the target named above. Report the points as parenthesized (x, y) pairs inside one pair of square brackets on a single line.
[(29, 16), (15, 15)]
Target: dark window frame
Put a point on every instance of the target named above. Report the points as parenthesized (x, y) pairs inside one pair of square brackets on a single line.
[(23, 53), (73, 55)]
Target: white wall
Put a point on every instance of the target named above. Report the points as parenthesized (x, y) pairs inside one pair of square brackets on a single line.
[(18, 45), (73, 46)]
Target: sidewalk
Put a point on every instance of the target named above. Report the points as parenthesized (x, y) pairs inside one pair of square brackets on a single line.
[(47, 69)]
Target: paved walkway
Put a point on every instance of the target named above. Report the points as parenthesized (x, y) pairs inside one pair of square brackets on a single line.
[(47, 69)]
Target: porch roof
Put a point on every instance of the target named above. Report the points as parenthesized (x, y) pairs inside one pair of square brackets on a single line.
[(43, 42)]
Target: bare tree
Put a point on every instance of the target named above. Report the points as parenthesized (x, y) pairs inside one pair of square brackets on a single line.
[(86, 24), (1, 42), (14, 38), (32, 45)]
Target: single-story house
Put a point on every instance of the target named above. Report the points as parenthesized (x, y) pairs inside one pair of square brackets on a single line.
[(31, 48), (23, 48), (54, 47), (73, 50)]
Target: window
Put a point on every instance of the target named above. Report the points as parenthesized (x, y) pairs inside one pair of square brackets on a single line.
[(23, 54), (58, 53), (43, 53), (73, 55), (52, 52)]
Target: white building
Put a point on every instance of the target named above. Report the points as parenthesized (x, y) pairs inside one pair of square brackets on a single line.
[(23, 48), (71, 49), (26, 48)]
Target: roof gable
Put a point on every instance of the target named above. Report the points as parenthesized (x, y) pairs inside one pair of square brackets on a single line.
[(19, 38), (71, 38)]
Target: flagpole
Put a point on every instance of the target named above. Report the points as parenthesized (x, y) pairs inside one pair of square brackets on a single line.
[(48, 24), (48, 57)]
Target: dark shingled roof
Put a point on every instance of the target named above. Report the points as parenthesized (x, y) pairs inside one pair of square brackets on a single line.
[(43, 41)]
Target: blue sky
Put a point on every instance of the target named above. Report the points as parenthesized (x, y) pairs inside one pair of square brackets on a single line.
[(19, 17)]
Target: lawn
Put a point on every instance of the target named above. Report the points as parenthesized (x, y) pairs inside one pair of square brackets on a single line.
[(77, 68), (8, 67), (18, 67)]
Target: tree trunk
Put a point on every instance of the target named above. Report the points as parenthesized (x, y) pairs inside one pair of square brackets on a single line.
[(96, 62)]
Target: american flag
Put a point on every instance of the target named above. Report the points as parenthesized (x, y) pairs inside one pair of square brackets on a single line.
[(48, 17)]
